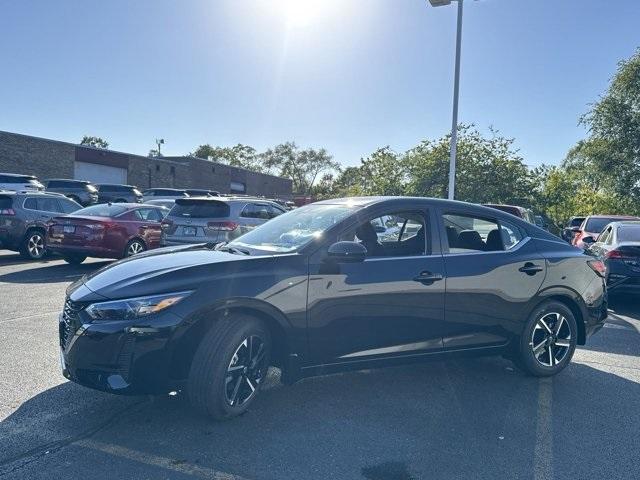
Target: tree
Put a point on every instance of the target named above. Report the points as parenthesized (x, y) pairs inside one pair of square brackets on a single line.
[(383, 173), (303, 167), (96, 142), (489, 169), (613, 145), (240, 155)]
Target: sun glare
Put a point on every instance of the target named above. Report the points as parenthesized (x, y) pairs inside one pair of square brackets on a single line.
[(301, 13)]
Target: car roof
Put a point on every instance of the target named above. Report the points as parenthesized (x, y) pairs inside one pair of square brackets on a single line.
[(32, 192), (115, 185), (66, 180), (624, 217)]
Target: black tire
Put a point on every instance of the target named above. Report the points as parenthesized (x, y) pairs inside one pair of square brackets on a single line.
[(133, 247), (33, 244), (74, 259), (228, 342), (556, 353)]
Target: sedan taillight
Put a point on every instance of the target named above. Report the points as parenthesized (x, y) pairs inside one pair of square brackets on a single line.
[(222, 226), (8, 211), (613, 254), (598, 267)]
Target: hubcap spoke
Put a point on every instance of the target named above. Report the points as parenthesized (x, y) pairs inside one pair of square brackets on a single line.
[(544, 325), (245, 371), (550, 339), (559, 322)]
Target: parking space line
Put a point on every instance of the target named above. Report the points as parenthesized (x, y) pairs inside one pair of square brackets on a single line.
[(157, 461), (543, 454)]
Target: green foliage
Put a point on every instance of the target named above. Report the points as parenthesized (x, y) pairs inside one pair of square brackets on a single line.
[(240, 155), (94, 142)]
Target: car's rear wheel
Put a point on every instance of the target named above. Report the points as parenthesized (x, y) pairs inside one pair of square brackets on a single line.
[(549, 340), (33, 246), (74, 259), (134, 246), (229, 367)]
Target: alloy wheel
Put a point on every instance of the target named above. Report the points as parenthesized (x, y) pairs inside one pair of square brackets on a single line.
[(134, 247), (551, 339), (35, 245), (246, 370)]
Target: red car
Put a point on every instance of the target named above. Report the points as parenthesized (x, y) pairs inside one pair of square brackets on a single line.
[(107, 230)]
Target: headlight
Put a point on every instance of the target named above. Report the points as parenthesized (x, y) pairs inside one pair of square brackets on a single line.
[(131, 308)]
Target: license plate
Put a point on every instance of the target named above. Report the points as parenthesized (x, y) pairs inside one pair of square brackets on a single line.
[(63, 365), (69, 229), (189, 230)]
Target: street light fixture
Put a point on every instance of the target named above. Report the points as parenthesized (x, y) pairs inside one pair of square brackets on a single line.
[(456, 91)]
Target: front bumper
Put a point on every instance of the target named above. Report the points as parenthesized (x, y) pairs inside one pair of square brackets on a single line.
[(122, 357)]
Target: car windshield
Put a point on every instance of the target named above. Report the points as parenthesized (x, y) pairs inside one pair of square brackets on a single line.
[(576, 222), (629, 233), (293, 230), (102, 210)]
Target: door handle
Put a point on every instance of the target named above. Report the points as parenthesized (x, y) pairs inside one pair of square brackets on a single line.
[(530, 268), (427, 277)]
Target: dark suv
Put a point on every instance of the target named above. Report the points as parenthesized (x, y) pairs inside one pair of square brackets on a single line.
[(24, 216), (80, 191), (115, 193)]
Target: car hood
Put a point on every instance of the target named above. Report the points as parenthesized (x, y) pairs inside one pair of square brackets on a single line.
[(164, 270)]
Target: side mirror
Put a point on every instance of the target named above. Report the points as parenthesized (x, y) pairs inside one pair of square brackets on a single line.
[(347, 252), (588, 240)]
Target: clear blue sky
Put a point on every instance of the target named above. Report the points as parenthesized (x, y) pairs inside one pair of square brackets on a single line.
[(348, 75)]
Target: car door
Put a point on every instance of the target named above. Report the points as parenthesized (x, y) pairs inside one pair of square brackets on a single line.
[(493, 271), (390, 305), (148, 223)]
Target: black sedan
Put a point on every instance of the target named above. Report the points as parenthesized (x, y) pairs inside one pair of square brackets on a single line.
[(618, 246), (320, 289)]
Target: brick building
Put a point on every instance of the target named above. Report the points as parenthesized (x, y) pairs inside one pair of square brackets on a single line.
[(53, 159)]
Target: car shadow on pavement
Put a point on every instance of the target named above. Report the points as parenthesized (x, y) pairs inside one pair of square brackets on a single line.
[(51, 273), (465, 418)]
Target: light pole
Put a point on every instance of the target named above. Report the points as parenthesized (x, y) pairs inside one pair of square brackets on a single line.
[(456, 91)]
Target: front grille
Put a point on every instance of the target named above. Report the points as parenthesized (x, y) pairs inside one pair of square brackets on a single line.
[(70, 321)]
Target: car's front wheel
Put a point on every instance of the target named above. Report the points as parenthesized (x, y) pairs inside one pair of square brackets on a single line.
[(549, 339), (134, 247), (229, 367)]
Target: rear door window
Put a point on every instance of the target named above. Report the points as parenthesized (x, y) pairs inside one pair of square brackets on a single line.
[(68, 206), (199, 209), (467, 234), (256, 210), (48, 205)]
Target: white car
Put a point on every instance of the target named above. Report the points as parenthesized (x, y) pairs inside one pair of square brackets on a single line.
[(18, 183)]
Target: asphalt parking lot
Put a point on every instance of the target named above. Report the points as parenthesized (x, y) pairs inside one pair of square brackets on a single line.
[(463, 418)]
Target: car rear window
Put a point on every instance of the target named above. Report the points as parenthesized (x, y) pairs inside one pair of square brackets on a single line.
[(18, 179), (626, 233), (102, 210), (199, 209), (596, 225), (576, 222)]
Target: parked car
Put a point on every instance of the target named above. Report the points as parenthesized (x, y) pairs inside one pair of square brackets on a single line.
[(163, 193), (618, 246), (315, 291), (198, 192), (23, 220), (520, 212), (17, 183), (105, 231), (572, 226), (80, 191), (168, 203), (592, 226), (215, 219), (116, 193)]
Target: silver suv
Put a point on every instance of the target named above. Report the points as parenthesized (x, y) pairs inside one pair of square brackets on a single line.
[(24, 216), (215, 219)]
